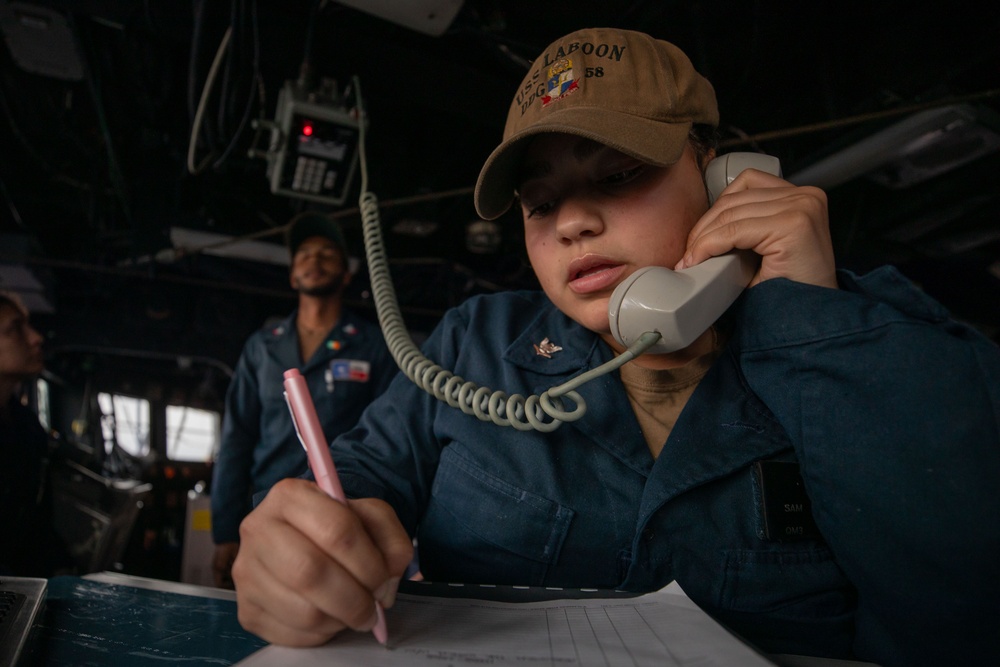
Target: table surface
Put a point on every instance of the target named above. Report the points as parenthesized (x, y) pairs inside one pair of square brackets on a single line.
[(102, 622)]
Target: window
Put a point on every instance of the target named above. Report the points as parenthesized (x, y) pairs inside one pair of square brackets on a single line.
[(192, 434), (125, 422), (44, 406)]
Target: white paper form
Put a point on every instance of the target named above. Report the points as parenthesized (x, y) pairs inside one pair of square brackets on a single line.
[(660, 629)]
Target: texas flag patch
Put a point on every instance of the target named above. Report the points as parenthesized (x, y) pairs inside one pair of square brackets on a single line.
[(351, 370)]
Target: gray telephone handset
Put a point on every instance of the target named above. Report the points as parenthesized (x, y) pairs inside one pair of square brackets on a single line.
[(681, 305)]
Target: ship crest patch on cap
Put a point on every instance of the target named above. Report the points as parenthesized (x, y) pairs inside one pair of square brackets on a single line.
[(561, 81)]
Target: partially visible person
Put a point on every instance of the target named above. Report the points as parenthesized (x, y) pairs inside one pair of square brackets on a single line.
[(29, 545), (870, 413), (342, 356)]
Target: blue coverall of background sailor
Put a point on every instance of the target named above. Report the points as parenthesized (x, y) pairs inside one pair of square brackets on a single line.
[(889, 407), (259, 446)]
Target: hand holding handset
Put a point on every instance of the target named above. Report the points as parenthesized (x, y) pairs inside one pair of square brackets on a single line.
[(681, 305)]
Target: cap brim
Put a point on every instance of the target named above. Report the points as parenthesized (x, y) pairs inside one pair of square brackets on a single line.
[(648, 140)]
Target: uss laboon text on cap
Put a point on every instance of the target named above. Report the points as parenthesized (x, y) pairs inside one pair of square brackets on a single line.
[(622, 88)]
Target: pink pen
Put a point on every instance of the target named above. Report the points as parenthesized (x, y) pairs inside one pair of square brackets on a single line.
[(311, 436)]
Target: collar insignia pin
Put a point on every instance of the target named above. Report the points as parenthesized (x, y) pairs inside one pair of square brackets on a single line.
[(546, 348)]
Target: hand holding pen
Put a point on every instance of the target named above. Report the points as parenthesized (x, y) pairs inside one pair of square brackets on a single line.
[(311, 436)]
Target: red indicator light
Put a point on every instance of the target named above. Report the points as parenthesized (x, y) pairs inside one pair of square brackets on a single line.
[(307, 129)]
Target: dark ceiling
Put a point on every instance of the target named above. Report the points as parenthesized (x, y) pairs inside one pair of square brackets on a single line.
[(98, 99)]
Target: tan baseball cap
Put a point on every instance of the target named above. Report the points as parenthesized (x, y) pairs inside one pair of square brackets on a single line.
[(624, 89)]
